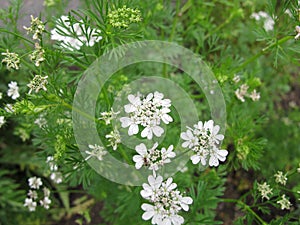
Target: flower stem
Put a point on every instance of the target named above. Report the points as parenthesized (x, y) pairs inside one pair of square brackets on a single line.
[(247, 208), (263, 51)]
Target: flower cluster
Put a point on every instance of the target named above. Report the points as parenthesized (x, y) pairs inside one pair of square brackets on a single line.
[(280, 178), (13, 90), (242, 92), (31, 202), (37, 56), (37, 28), (11, 59), (96, 151), (166, 201), (264, 190), (114, 138), (266, 18), (123, 17), (108, 116), (38, 83), (147, 112), (55, 175), (153, 157), (73, 36), (284, 202), (203, 139)]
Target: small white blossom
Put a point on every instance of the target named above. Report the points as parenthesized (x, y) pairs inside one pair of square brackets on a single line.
[(32, 194), (153, 157), (255, 96), (2, 121), (56, 177), (298, 32), (9, 108), (41, 122), (203, 140), (264, 190), (236, 78), (35, 182), (298, 169), (108, 116), (37, 56), (13, 90), (51, 163), (1, 95), (38, 82), (73, 36), (148, 112), (284, 203), (97, 151), (241, 92), (166, 202), (36, 28), (266, 18), (45, 202), (114, 138), (280, 178), (30, 204), (11, 59)]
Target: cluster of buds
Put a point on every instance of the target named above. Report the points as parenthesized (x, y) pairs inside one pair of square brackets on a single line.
[(123, 17)]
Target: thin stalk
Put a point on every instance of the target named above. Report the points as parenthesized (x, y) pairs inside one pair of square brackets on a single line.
[(247, 208), (263, 51)]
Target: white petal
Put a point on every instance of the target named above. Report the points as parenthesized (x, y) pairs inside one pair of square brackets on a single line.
[(133, 129), (126, 121), (195, 159), (141, 149), (158, 131)]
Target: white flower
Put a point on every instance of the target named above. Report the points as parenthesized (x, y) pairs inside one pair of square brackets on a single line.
[(2, 121), (284, 203), (1, 95), (97, 151), (255, 96), (241, 92), (298, 169), (32, 194), (41, 122), (73, 36), (45, 202), (236, 78), (37, 28), (153, 157), (30, 204), (13, 90), (266, 18), (11, 59), (264, 190), (37, 55), (35, 182), (52, 165), (114, 138), (108, 116), (203, 140), (297, 28), (56, 177), (148, 112), (166, 201), (38, 83), (280, 178), (9, 108)]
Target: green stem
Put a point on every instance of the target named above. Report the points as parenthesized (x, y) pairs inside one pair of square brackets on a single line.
[(247, 208), (15, 34), (263, 51)]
